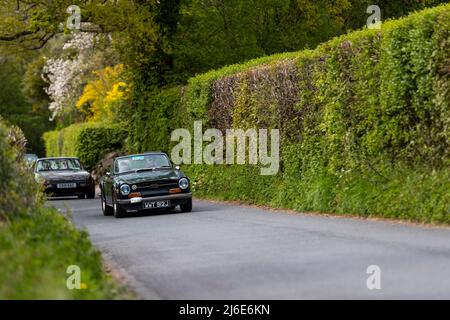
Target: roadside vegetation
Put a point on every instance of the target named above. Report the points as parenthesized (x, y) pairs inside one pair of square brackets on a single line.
[(88, 141), (37, 243), (364, 115), (364, 120)]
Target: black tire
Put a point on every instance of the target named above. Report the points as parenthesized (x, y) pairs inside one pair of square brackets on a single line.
[(107, 210), (117, 209), (82, 196), (187, 207), (91, 194)]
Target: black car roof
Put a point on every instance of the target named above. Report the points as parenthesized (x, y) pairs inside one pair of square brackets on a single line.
[(57, 158)]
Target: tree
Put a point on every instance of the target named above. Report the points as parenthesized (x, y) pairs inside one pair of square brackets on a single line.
[(103, 96), (15, 105), (163, 43), (31, 24)]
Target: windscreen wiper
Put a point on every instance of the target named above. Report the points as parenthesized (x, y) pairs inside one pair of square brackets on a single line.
[(153, 169), (145, 169)]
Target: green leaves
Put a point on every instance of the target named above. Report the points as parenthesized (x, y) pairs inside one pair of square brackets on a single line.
[(37, 243), (88, 141), (362, 133), (364, 120)]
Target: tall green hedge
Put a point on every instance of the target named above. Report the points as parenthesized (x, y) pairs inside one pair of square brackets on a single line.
[(88, 141), (38, 244), (364, 121), (152, 119)]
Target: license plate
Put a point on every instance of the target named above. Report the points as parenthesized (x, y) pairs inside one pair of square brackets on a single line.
[(66, 185), (156, 204)]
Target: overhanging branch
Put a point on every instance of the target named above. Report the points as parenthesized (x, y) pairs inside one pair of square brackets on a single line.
[(17, 35)]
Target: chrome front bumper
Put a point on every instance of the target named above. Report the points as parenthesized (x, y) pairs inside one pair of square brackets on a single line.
[(179, 196)]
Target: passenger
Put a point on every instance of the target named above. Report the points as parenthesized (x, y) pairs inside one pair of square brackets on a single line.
[(47, 166), (64, 165), (151, 163)]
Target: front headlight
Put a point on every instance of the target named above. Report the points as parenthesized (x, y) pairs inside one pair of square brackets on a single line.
[(39, 179), (125, 189), (183, 183)]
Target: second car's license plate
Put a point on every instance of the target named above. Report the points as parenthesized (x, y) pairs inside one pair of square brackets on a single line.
[(156, 204), (66, 185)]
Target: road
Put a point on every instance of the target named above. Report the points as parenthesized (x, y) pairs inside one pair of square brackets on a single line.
[(222, 251)]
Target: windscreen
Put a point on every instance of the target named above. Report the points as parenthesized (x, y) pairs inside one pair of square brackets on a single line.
[(58, 165), (151, 161)]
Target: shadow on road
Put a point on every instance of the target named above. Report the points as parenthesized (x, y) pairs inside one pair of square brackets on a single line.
[(74, 203), (62, 198), (150, 213)]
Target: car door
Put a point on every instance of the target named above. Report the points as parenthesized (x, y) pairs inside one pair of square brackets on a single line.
[(108, 182)]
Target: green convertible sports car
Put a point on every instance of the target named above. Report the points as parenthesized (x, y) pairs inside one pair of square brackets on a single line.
[(147, 181)]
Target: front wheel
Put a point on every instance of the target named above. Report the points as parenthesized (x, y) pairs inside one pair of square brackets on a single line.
[(118, 211), (187, 207), (107, 210)]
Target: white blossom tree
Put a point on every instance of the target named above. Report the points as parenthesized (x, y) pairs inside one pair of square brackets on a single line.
[(67, 74)]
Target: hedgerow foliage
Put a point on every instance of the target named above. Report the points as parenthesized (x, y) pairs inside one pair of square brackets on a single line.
[(88, 141), (364, 120), (152, 119), (16, 185), (37, 243)]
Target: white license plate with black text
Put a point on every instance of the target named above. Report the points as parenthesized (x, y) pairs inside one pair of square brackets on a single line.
[(66, 185), (157, 204)]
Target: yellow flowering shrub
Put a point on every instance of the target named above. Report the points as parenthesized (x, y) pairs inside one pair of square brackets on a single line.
[(103, 95)]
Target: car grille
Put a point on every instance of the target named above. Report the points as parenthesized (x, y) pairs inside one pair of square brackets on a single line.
[(55, 182), (154, 185)]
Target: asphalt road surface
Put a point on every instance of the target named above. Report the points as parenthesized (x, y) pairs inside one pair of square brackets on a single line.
[(222, 251)]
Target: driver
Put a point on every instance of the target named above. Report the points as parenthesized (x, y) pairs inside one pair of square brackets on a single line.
[(45, 165), (64, 165), (125, 166)]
